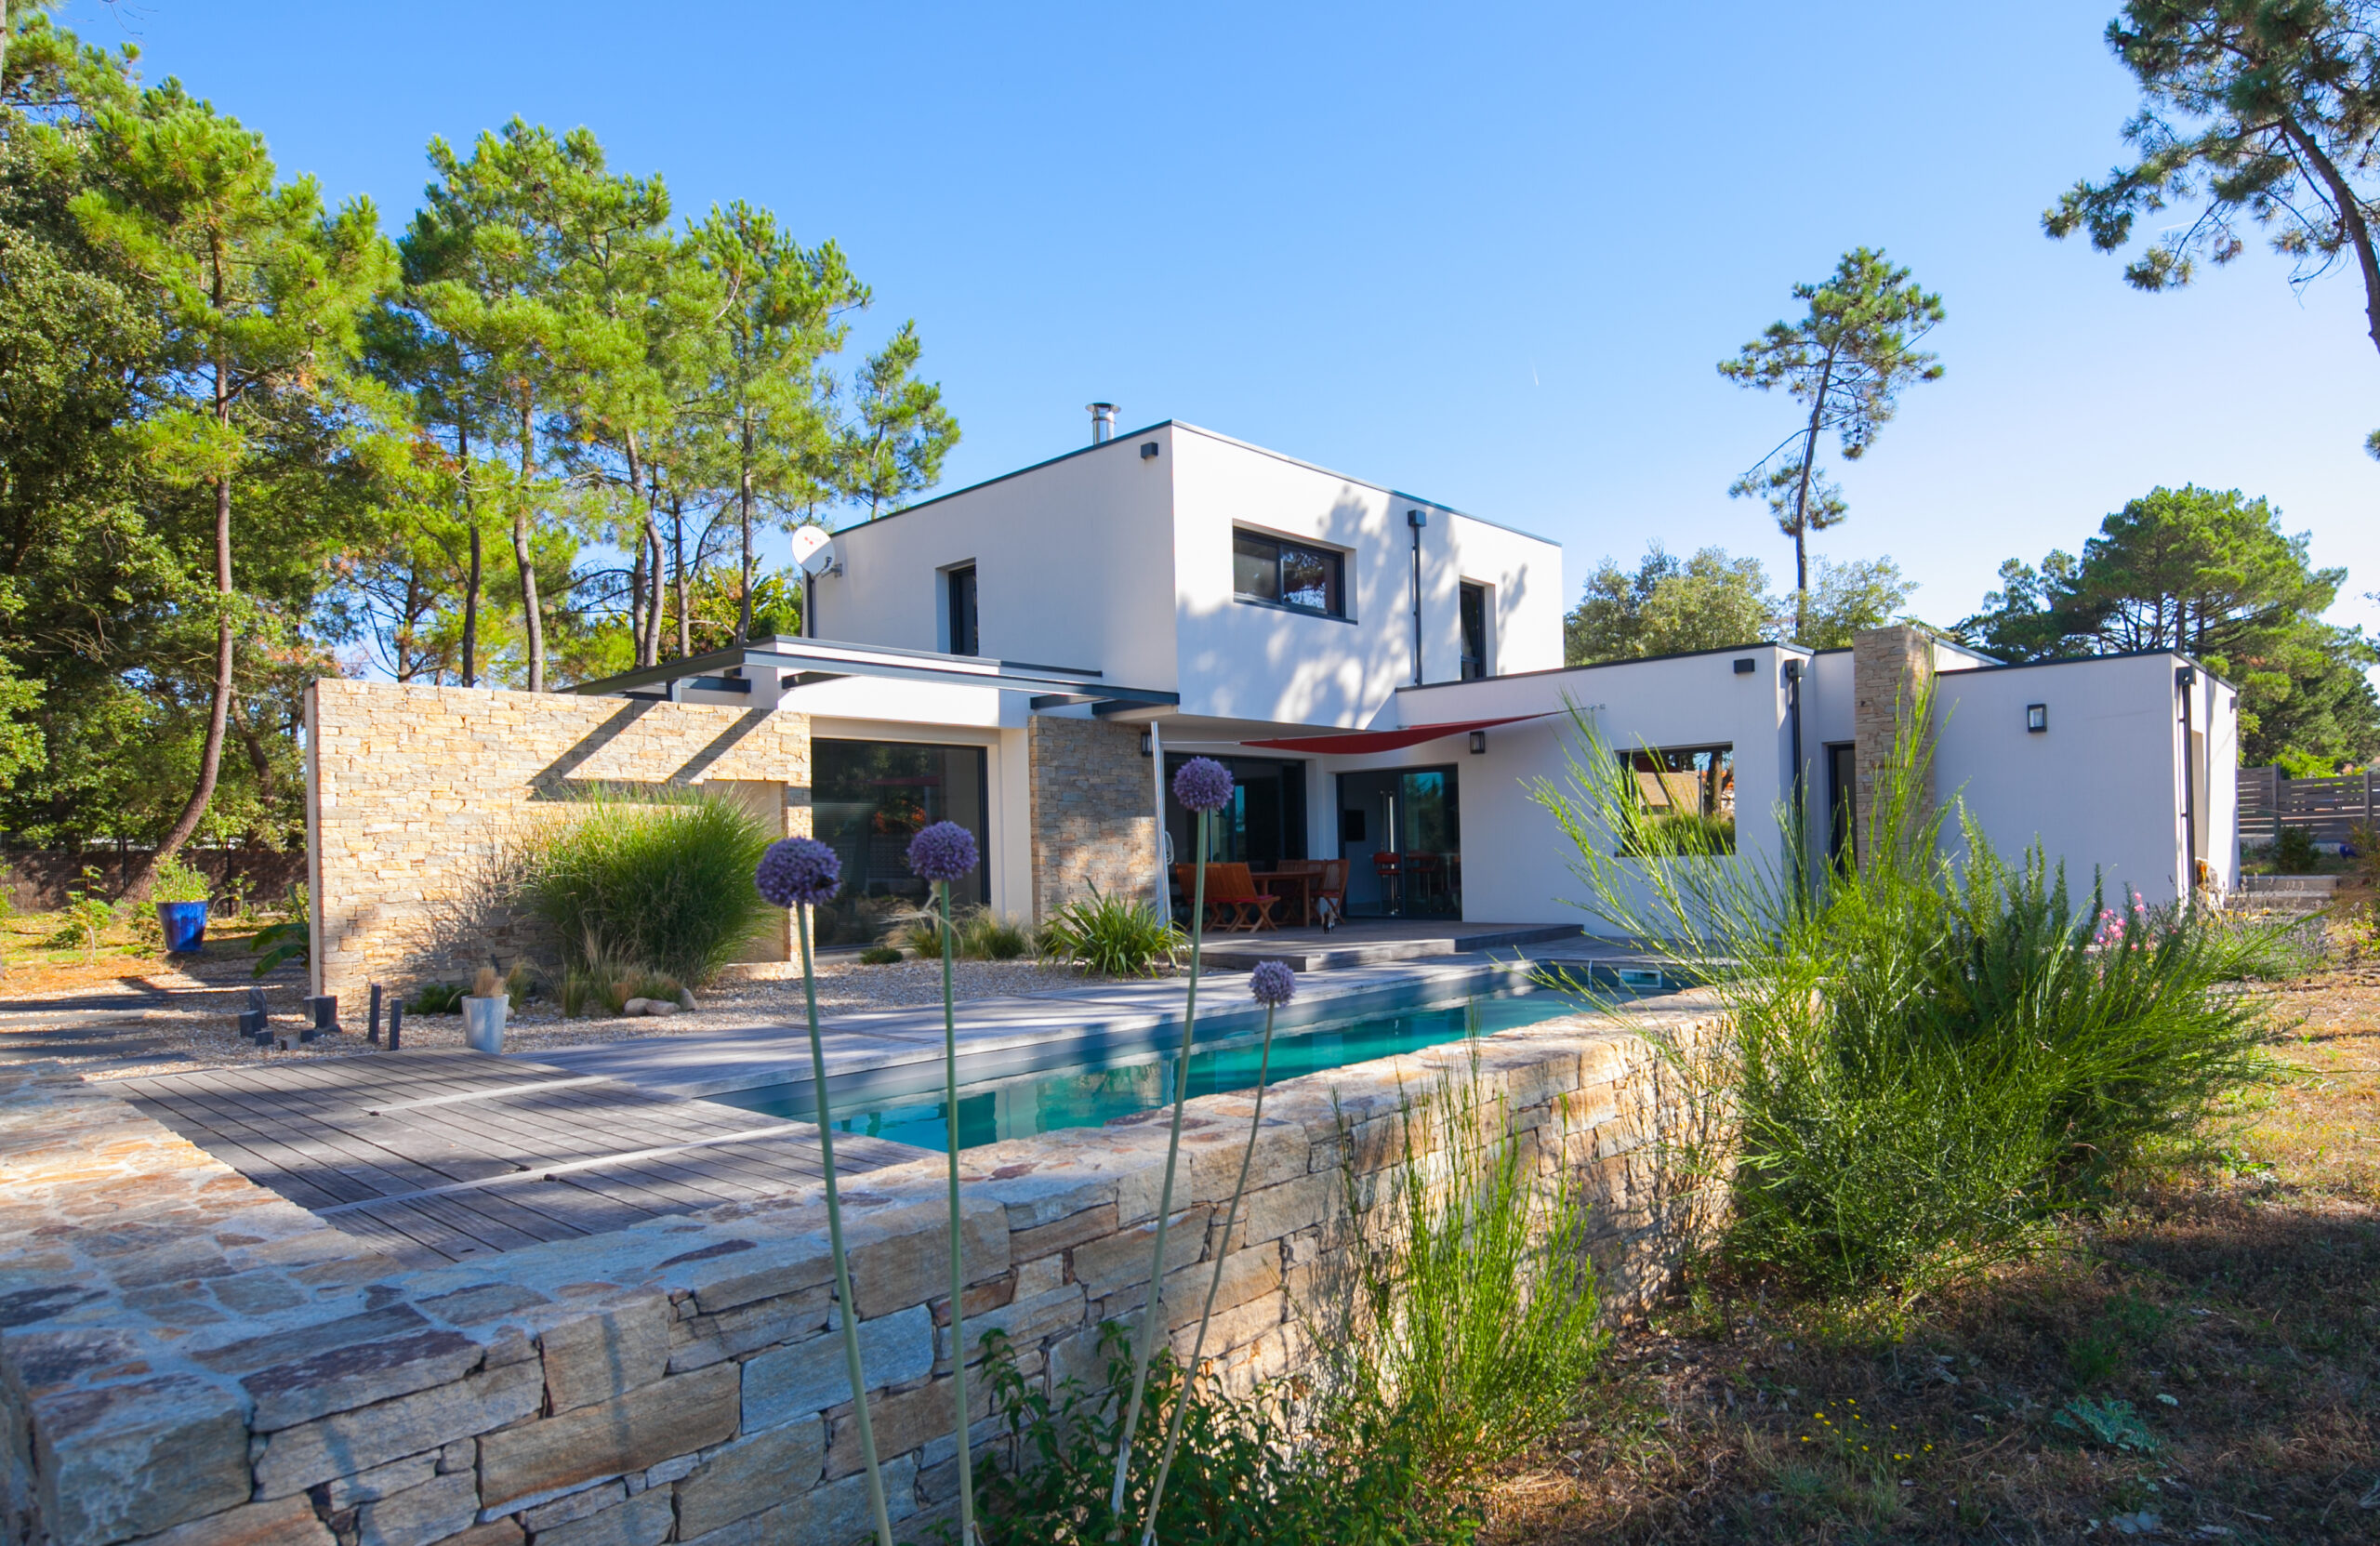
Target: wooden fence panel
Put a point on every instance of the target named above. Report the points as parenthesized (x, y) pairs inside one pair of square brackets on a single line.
[(2331, 808)]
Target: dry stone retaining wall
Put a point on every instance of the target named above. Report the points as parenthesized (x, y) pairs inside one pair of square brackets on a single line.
[(188, 1360), (416, 796)]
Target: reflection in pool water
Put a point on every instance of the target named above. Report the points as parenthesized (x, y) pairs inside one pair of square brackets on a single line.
[(1087, 1094)]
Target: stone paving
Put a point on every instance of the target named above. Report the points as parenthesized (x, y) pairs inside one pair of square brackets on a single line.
[(187, 1360)]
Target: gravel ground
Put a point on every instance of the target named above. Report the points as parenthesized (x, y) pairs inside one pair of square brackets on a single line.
[(172, 1040)]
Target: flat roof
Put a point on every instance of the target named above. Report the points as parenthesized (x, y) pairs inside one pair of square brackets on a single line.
[(1121, 436)]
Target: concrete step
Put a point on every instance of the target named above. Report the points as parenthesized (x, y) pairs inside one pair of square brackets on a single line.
[(1311, 955)]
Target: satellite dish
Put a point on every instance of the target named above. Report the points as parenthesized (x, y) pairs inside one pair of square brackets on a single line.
[(810, 549)]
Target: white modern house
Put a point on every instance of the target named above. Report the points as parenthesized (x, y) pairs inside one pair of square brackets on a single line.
[(1382, 673)]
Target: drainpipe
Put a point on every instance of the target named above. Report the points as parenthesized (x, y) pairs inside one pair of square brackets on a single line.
[(1157, 774), (1799, 834), (1417, 519), (2183, 677)]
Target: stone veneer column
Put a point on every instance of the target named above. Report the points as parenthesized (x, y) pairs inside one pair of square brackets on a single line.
[(1091, 822), (1890, 669)]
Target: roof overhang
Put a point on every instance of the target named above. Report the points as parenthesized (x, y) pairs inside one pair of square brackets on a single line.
[(1366, 742), (810, 660)]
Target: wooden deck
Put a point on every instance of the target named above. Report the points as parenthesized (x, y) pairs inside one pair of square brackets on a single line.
[(443, 1156)]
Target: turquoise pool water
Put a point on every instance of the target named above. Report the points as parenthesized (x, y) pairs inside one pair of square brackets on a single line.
[(1090, 1093)]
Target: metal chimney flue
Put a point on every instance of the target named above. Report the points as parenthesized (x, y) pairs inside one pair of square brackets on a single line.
[(1103, 423)]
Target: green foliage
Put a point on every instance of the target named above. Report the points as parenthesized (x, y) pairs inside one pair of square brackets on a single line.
[(664, 882), (1679, 833), (178, 882), (2251, 113), (1924, 1062), (881, 955), (903, 432), (2209, 573), (1249, 1470), (601, 980), (1711, 601), (1111, 937), (2294, 852), (978, 934), (437, 998), (289, 940), (2108, 1421), (88, 915), (1848, 358), (1476, 1319)]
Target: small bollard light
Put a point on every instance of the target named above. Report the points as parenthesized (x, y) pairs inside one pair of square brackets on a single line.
[(396, 1021), (253, 1026), (373, 1036), (325, 1009)]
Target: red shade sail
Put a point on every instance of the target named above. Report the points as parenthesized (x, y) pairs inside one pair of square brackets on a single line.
[(1358, 742)]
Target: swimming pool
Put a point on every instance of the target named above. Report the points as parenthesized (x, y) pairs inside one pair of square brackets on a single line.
[(1098, 1089)]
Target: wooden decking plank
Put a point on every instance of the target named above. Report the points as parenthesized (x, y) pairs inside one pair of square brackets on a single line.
[(482, 1224), (426, 1230), (386, 1238), (330, 1144), (306, 1188), (258, 1132)]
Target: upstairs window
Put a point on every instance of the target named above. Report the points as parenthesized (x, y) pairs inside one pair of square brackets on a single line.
[(1288, 573), (962, 611), (1474, 632)]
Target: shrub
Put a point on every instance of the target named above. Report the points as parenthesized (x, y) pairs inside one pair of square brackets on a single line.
[(1926, 1060), (979, 934), (1111, 936), (662, 881), (2294, 852), (881, 955), (289, 940), (599, 979), (1473, 1318), (177, 881), (1249, 1470), (437, 998)]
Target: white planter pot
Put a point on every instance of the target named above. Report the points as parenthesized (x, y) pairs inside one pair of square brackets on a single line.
[(483, 1023)]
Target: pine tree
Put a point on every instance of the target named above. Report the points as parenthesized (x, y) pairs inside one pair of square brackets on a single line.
[(903, 431)]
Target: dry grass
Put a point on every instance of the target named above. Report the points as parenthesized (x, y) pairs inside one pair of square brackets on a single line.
[(2232, 1301)]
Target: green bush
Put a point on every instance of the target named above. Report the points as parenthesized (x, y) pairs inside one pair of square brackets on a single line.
[(289, 940), (978, 934), (1111, 936), (1250, 1470), (2294, 852), (662, 881), (1926, 1061), (881, 955), (437, 998), (178, 882)]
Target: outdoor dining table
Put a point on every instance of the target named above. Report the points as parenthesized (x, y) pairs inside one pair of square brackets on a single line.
[(1296, 886)]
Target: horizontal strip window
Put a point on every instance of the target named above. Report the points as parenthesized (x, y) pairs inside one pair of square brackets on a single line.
[(1293, 574), (1301, 610)]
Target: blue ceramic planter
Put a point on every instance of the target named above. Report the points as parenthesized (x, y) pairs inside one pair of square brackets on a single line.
[(185, 925)]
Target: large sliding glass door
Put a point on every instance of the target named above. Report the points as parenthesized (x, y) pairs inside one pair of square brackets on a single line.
[(867, 799), (1263, 825)]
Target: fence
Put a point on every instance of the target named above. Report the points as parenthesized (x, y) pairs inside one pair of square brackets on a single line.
[(37, 880), (2329, 807)]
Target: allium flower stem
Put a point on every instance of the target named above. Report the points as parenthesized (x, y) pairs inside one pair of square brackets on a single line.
[(848, 1308), (1207, 1312), (1151, 1317), (957, 1266)]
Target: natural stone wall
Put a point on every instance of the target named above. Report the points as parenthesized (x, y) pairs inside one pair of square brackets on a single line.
[(1093, 817), (188, 1360), (417, 797), (1891, 670)]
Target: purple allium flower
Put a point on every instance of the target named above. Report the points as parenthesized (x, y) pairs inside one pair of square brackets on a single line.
[(798, 870), (944, 852), (1203, 785), (1273, 983)]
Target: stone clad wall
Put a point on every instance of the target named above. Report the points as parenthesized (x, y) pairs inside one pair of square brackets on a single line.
[(1890, 669), (415, 796), (188, 1360), (1093, 817)]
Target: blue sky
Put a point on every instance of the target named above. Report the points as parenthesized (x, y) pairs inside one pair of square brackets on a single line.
[(1488, 254)]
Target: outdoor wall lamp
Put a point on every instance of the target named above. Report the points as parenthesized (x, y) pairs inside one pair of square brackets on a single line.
[(1745, 667), (1144, 744), (2036, 718), (1478, 743), (1148, 449)]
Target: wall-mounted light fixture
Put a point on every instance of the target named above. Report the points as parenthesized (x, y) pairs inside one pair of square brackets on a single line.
[(1148, 449), (1745, 667), (1478, 743), (2036, 718), (1145, 743)]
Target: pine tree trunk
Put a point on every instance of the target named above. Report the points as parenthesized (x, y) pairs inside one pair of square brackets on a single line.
[(678, 575), (521, 554), (744, 585), (210, 755)]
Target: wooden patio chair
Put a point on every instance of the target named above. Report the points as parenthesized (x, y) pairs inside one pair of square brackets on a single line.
[(1330, 892), (1232, 902)]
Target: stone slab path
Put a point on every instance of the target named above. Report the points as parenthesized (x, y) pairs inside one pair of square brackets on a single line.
[(442, 1156)]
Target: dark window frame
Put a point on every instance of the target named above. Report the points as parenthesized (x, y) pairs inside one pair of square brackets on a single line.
[(1334, 563), (1471, 595), (960, 607)]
